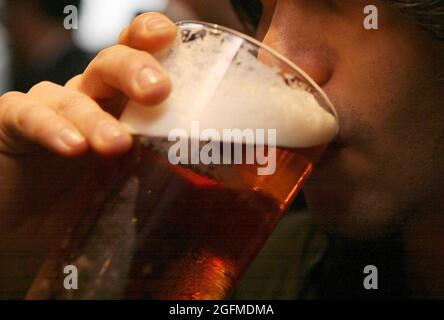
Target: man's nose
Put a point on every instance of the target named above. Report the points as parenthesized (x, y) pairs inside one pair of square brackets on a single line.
[(305, 54)]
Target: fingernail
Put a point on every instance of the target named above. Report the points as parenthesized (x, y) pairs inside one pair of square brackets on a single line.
[(157, 22), (71, 138), (149, 77), (108, 131)]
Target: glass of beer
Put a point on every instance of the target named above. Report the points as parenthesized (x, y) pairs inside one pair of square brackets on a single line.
[(211, 172)]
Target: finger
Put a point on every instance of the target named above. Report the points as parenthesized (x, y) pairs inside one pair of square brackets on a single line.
[(122, 69), (150, 32), (114, 105), (74, 82), (26, 123), (105, 134)]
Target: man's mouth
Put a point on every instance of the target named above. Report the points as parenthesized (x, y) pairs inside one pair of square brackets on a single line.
[(338, 141), (331, 152)]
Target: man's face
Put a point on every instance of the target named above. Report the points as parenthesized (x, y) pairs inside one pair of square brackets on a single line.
[(388, 87)]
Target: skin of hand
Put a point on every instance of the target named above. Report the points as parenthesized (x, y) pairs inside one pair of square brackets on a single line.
[(54, 137)]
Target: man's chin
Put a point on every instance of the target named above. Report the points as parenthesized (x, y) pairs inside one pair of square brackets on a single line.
[(350, 225), (336, 228)]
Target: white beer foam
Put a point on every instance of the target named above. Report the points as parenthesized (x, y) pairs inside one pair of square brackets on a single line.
[(222, 93)]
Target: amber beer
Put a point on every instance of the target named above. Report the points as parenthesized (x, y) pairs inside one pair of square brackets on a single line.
[(162, 231), (156, 229)]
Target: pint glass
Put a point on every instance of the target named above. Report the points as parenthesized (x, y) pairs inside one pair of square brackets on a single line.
[(211, 172)]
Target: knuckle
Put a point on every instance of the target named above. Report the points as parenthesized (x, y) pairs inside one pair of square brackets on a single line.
[(95, 117), (99, 115), (136, 62), (81, 108), (10, 99), (74, 80), (7, 117), (10, 104), (102, 54), (71, 101), (109, 52), (47, 129), (42, 87), (27, 118), (102, 60)]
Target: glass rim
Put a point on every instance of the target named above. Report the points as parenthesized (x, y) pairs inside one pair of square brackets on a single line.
[(270, 50)]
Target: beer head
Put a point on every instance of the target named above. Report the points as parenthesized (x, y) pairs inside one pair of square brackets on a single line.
[(219, 81)]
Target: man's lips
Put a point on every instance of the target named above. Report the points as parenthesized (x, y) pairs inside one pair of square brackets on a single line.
[(331, 152), (338, 141)]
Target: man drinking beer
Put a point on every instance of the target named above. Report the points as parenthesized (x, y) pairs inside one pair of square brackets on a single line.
[(376, 194)]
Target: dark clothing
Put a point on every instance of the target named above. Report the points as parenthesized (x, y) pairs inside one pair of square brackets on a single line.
[(70, 63), (300, 262)]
